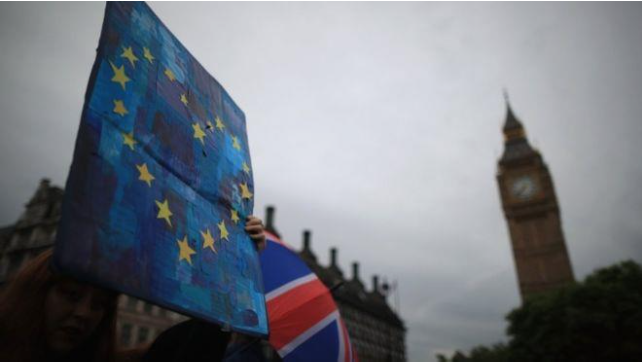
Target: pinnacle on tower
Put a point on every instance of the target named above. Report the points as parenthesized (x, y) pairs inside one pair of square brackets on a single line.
[(516, 144), (513, 128)]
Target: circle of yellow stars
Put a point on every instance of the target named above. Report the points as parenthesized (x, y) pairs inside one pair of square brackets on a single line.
[(164, 212)]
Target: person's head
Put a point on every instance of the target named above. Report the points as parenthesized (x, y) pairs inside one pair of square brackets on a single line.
[(44, 315)]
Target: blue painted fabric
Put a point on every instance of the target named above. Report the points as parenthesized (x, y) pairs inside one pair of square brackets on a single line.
[(161, 180)]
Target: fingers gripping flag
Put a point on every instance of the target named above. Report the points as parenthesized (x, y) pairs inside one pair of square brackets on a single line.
[(305, 324)]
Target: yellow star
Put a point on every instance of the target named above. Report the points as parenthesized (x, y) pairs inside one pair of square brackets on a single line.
[(164, 212), (246, 168), (210, 126), (119, 108), (128, 139), (129, 54), (119, 75), (184, 99), (145, 175), (235, 216), (235, 143), (219, 124), (223, 230), (198, 132), (208, 240), (245, 191), (185, 252), (170, 74), (148, 55)]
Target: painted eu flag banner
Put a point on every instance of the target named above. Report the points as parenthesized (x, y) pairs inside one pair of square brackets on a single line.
[(161, 180)]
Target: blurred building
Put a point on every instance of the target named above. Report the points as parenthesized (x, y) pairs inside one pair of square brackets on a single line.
[(376, 331), (532, 212), (35, 231)]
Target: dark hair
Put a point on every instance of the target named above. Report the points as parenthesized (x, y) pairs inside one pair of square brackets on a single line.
[(22, 317)]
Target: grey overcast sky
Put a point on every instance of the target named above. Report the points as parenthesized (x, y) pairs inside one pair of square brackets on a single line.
[(378, 127)]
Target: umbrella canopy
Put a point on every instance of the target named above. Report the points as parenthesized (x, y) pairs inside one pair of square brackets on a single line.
[(305, 324)]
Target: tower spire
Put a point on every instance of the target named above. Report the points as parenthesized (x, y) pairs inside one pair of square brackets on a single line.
[(515, 142), (511, 123)]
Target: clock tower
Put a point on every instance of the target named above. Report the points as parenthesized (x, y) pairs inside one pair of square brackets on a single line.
[(532, 212)]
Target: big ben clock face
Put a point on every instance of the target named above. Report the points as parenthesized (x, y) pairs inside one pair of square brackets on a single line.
[(523, 188)]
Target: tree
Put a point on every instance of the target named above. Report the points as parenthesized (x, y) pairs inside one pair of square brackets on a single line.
[(597, 319), (497, 353)]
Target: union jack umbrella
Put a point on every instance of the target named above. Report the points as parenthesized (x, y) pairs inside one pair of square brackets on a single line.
[(305, 324)]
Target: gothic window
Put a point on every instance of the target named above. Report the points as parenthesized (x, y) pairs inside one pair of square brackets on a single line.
[(54, 210), (122, 300), (542, 271), (530, 232), (148, 308), (131, 302), (519, 236), (126, 334), (541, 226), (36, 213), (15, 240), (36, 235), (15, 260), (525, 232), (143, 334)]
